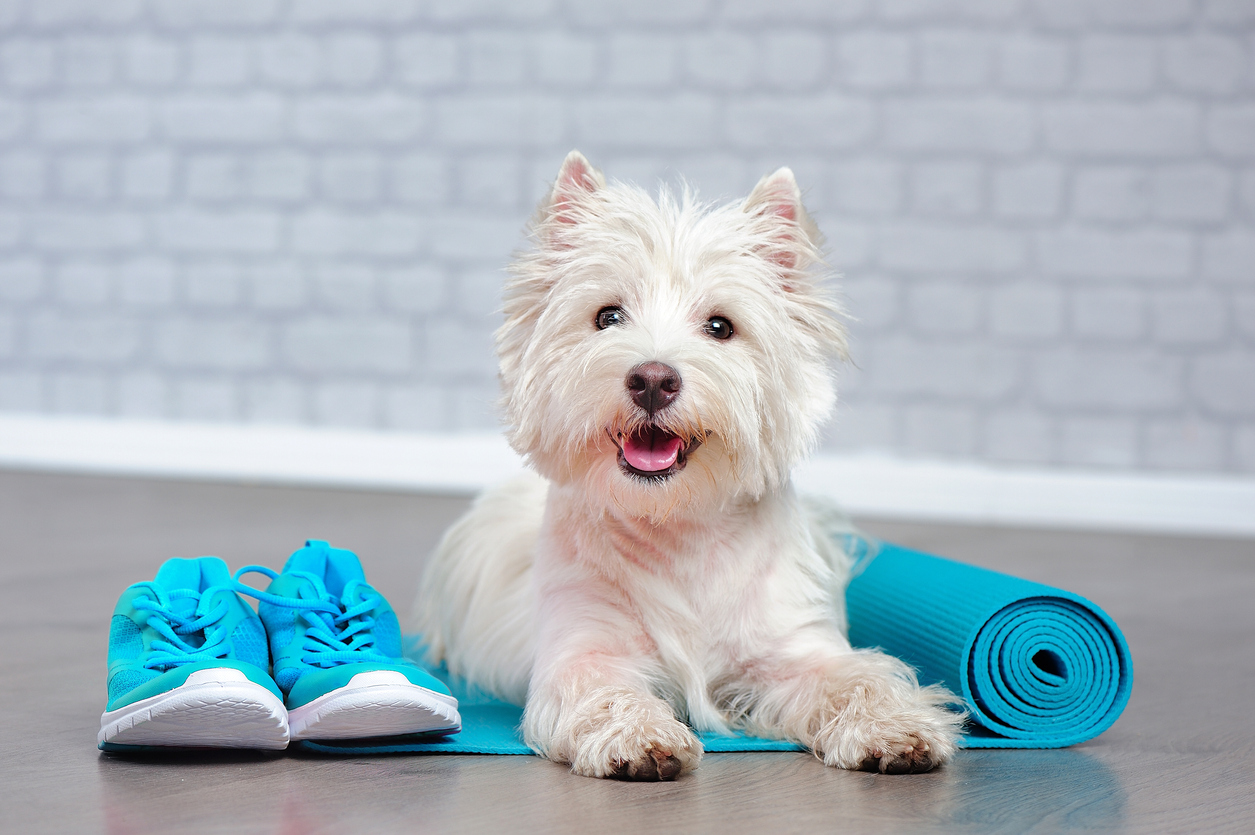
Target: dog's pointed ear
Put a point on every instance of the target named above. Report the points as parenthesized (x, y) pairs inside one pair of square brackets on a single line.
[(794, 236), (577, 180), (776, 194)]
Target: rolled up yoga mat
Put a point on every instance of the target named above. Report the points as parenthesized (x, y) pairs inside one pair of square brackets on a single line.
[(1037, 667)]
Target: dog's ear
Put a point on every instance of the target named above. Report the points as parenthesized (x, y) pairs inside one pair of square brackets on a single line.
[(577, 180), (794, 237), (790, 240)]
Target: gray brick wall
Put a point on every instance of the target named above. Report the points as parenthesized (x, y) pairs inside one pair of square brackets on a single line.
[(254, 210)]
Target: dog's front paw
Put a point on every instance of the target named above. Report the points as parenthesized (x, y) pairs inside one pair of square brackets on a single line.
[(626, 735), (910, 756), (890, 735), (656, 764)]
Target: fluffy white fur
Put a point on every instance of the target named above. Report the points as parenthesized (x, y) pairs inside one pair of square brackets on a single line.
[(622, 608)]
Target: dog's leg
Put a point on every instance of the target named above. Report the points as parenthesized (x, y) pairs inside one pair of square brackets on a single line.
[(590, 704), (855, 709)]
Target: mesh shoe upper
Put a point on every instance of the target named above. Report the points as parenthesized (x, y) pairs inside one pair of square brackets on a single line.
[(187, 618)]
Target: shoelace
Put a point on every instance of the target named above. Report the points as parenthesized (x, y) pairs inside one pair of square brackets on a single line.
[(174, 650), (336, 634)]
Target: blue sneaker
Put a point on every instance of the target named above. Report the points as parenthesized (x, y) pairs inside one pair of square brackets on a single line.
[(188, 666), (336, 645)]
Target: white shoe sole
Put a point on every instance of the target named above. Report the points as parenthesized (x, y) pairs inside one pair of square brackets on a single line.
[(380, 703), (217, 708)]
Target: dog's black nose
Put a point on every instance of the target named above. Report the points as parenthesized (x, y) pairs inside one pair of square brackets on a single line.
[(653, 386)]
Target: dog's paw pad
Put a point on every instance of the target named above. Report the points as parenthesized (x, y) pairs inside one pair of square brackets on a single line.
[(654, 766), (913, 758)]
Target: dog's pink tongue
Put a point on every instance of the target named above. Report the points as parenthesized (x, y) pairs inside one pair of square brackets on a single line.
[(651, 450)]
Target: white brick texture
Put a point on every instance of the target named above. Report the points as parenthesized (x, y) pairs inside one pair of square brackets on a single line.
[(256, 210)]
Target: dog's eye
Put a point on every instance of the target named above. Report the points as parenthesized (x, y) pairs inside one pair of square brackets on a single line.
[(608, 317), (718, 327)]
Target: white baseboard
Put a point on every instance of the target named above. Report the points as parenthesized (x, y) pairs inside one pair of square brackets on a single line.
[(984, 495), (865, 485), (462, 463)]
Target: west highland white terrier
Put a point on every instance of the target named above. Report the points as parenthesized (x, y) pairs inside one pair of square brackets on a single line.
[(664, 365)]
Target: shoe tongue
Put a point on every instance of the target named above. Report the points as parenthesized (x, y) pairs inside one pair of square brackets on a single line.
[(651, 449), (184, 606), (335, 567), (178, 573), (194, 575)]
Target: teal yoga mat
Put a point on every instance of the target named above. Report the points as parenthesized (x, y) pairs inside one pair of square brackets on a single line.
[(489, 726), (1038, 667)]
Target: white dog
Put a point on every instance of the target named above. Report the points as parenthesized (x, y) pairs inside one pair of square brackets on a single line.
[(664, 365)]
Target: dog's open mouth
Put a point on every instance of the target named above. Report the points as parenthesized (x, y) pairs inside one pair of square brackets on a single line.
[(653, 452)]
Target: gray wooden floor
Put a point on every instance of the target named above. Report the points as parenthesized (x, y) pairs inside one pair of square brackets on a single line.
[(1181, 759)]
